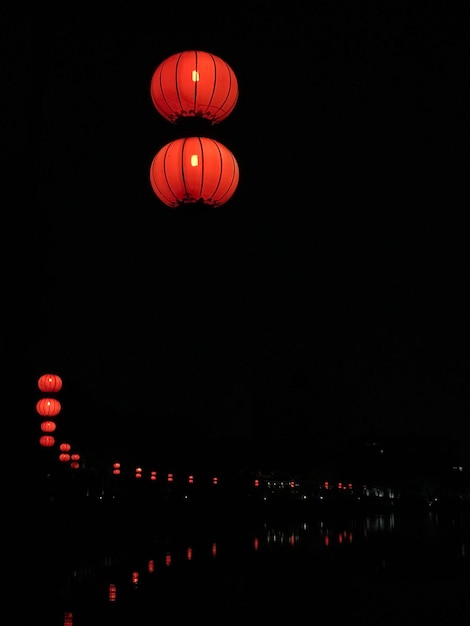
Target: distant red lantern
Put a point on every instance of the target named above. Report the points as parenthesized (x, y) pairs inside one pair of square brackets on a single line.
[(68, 618), (48, 426), (65, 447), (64, 457), (194, 84), (48, 407), (74, 464), (194, 170), (75, 456), (50, 383), (47, 441)]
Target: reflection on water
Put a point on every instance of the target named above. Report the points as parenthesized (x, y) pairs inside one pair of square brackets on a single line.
[(374, 567)]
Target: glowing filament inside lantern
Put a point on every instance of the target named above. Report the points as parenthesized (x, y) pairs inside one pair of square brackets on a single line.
[(195, 76), (194, 160)]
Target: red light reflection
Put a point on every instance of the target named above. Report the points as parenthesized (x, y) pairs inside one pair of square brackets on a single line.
[(112, 592), (68, 618)]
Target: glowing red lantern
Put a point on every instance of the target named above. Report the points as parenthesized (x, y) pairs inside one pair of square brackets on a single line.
[(194, 170), (68, 618), (112, 593), (64, 457), (48, 407), (50, 383), (75, 457), (47, 441), (64, 447), (48, 426), (194, 84), (74, 464)]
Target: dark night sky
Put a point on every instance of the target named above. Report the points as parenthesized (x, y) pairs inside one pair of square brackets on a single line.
[(327, 299)]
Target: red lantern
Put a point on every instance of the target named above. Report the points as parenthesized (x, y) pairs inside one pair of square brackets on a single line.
[(194, 84), (47, 441), (74, 464), (194, 169), (75, 457), (48, 407), (64, 447), (48, 426), (50, 383), (64, 457)]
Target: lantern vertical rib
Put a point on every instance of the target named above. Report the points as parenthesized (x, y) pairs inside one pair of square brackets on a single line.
[(183, 177), (220, 168), (214, 84), (167, 177), (196, 83), (177, 89), (201, 185)]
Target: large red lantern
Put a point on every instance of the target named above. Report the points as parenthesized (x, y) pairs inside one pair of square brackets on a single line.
[(50, 383), (48, 407), (194, 169), (194, 84)]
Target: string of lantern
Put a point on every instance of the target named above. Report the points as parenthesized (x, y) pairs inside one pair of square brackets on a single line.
[(48, 408), (190, 170)]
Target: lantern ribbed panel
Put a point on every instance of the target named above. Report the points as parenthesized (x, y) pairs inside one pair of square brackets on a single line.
[(48, 407), (46, 441), (194, 84), (48, 426), (194, 169), (50, 383)]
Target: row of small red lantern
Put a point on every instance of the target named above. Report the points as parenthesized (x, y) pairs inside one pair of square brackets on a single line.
[(194, 84), (153, 475)]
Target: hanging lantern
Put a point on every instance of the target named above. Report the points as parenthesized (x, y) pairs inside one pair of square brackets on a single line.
[(50, 383), (194, 170), (64, 457), (65, 447), (75, 456), (48, 407), (48, 426), (47, 441), (194, 84)]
